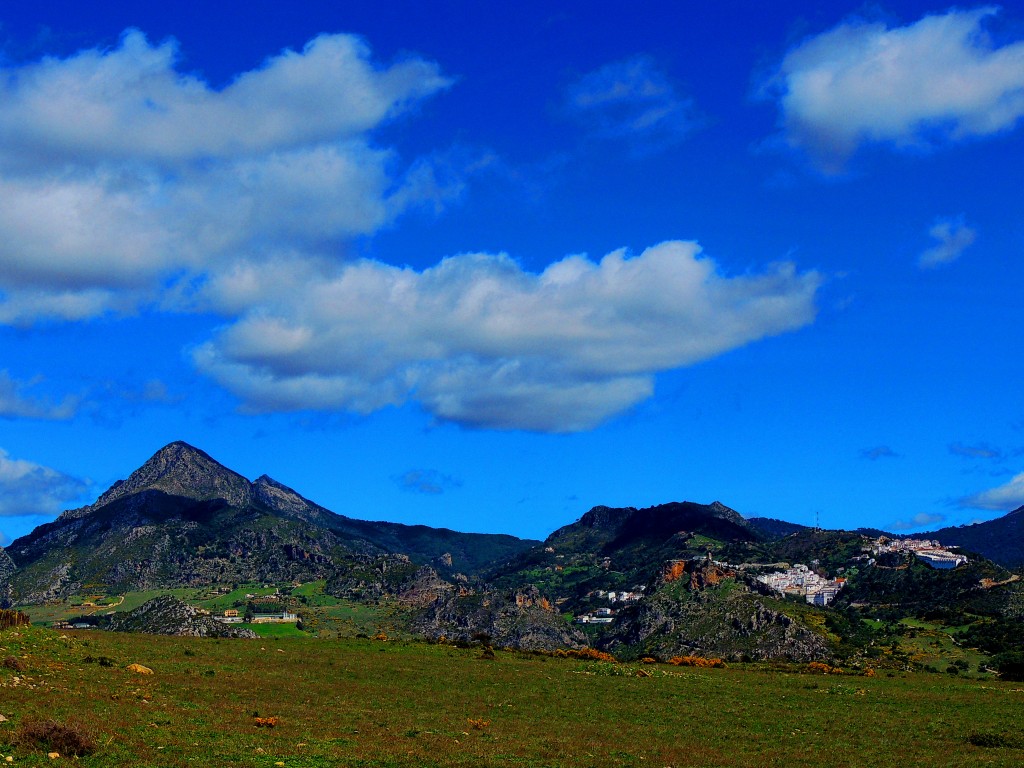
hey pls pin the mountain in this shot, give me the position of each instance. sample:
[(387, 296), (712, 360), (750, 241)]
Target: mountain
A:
[(620, 548), (184, 519), (1000, 540)]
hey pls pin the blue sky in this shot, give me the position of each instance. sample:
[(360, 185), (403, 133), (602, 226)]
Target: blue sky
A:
[(485, 268)]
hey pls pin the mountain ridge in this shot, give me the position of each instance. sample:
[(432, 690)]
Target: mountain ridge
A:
[(182, 518)]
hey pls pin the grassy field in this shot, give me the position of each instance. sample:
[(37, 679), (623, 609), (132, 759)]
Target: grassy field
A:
[(359, 702)]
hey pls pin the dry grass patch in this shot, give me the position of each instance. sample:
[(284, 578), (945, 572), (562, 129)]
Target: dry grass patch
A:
[(69, 739)]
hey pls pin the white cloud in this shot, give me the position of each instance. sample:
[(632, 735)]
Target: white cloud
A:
[(938, 79), (131, 103), (953, 238), (478, 341), (127, 182), (632, 99), (31, 489), (1003, 498), (16, 404)]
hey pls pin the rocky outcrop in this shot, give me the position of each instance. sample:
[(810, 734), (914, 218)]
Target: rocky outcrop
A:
[(522, 619), (702, 610), (167, 615)]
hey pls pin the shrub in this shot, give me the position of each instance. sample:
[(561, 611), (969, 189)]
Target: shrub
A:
[(994, 740), (1010, 665), (584, 654), (696, 661), (70, 738)]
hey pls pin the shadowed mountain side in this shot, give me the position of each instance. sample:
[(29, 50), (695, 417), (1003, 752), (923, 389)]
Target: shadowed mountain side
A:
[(771, 528)]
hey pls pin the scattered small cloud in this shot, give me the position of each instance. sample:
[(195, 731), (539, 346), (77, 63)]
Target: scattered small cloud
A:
[(428, 481), (935, 81), (31, 489), (632, 99), (953, 238), (979, 451), (878, 452), (154, 391), (17, 403), (920, 520), (1003, 498)]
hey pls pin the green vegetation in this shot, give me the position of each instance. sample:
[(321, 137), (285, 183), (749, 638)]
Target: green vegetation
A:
[(359, 702)]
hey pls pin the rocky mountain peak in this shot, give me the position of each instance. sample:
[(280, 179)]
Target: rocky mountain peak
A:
[(182, 470), (726, 513)]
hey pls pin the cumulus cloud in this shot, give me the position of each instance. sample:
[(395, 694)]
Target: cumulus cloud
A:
[(920, 520), (632, 99), (31, 489), (878, 452), (479, 341), (953, 238), (16, 403), (1002, 498), (123, 177), (428, 481), (937, 80)]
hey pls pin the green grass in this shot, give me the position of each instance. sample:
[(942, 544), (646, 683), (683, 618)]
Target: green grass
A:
[(276, 630), (364, 703)]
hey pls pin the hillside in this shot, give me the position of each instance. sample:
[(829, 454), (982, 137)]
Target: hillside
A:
[(612, 548), (1000, 540), (166, 615)]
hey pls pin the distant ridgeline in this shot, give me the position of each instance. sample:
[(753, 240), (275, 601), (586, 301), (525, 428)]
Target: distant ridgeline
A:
[(676, 579)]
